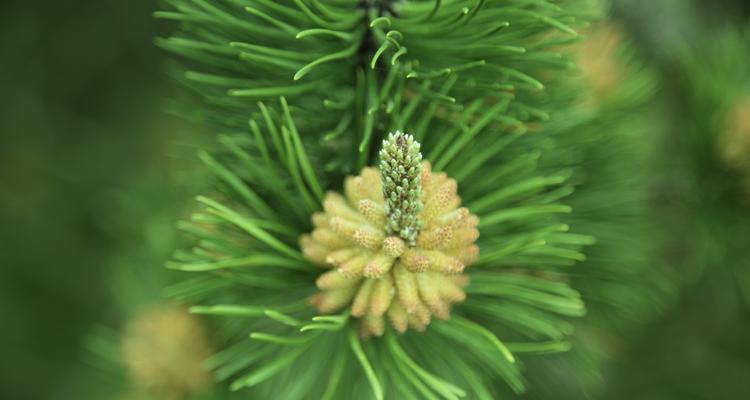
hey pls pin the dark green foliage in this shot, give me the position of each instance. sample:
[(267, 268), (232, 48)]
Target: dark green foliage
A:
[(625, 281), (701, 348), (82, 93), (484, 88)]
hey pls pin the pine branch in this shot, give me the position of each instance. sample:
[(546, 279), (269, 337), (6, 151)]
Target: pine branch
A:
[(468, 82)]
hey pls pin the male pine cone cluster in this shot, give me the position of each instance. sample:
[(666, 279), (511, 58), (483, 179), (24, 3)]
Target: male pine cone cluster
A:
[(376, 270)]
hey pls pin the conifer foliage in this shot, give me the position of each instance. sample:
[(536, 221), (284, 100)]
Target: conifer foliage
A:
[(302, 93)]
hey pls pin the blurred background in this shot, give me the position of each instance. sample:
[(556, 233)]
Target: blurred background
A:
[(93, 174)]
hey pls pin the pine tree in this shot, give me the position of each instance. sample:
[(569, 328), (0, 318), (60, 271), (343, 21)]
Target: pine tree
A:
[(466, 255)]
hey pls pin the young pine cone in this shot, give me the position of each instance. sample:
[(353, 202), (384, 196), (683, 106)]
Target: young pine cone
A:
[(381, 275)]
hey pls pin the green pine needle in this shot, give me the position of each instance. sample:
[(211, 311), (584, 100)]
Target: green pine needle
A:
[(303, 93)]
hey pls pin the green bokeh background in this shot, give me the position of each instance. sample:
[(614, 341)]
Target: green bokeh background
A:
[(83, 124), (91, 176)]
